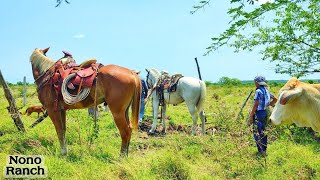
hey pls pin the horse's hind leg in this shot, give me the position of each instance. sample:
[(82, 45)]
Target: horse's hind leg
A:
[(59, 120), (193, 111), (125, 132), (203, 121)]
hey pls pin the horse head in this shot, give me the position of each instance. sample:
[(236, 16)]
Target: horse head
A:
[(40, 62), (153, 76)]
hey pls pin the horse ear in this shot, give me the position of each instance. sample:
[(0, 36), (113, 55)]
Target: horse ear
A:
[(147, 70), (289, 94), (45, 50)]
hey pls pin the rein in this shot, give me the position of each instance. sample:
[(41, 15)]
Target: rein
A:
[(47, 72)]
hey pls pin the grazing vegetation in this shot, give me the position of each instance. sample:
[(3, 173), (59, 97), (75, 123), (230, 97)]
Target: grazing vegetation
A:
[(227, 151)]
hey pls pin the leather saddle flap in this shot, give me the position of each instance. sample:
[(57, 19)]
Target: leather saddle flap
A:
[(86, 82), (85, 72), (172, 87)]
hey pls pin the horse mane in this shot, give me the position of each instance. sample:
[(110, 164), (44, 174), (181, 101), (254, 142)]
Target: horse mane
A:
[(155, 72), (40, 62)]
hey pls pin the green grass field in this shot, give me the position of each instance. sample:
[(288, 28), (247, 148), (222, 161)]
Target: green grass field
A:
[(227, 151)]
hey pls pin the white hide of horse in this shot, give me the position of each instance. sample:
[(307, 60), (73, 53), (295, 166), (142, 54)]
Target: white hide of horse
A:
[(298, 103), (189, 89)]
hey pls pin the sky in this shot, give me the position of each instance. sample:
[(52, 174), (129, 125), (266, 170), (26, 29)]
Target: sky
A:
[(134, 34)]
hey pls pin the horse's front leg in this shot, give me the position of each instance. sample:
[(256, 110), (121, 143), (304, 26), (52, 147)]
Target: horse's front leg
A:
[(59, 120), (163, 116), (155, 108)]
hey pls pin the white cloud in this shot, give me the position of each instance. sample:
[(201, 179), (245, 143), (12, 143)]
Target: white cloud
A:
[(265, 1), (79, 36)]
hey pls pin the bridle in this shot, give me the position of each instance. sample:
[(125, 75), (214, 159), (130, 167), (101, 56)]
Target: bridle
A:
[(147, 80), (149, 85)]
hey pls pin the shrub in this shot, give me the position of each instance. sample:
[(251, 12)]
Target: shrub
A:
[(208, 83), (310, 81), (19, 83), (170, 167), (229, 81)]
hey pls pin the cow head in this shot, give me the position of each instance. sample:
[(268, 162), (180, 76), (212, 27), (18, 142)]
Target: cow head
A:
[(286, 109)]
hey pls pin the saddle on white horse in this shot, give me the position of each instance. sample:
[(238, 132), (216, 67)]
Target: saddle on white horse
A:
[(168, 83)]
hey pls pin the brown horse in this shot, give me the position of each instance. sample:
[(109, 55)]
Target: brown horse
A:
[(117, 86), (32, 109)]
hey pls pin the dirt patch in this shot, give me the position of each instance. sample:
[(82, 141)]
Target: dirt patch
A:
[(215, 96), (145, 126), (33, 143)]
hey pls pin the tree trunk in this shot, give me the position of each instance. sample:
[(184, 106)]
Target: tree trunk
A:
[(13, 110)]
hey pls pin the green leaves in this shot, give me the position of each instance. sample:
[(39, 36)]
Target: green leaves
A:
[(287, 31)]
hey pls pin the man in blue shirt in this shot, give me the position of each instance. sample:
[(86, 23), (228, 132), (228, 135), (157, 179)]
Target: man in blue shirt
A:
[(258, 114), (144, 95)]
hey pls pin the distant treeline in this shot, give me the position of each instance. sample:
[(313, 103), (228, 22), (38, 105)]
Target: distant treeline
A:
[(223, 81), (18, 83), (235, 82)]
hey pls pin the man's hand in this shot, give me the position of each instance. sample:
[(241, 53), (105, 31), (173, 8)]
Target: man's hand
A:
[(250, 121)]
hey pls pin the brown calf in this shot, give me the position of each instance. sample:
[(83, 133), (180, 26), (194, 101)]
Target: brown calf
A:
[(31, 109)]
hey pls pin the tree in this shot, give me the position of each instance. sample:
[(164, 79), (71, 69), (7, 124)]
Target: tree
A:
[(287, 31), (60, 1), (229, 81)]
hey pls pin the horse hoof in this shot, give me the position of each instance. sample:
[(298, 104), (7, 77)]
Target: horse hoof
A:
[(151, 133), (64, 152), (123, 155)]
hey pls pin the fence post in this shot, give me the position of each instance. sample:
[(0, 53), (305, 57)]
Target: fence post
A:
[(12, 108), (24, 91), (199, 73)]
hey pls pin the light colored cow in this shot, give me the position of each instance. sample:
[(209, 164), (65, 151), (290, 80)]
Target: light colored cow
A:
[(298, 103)]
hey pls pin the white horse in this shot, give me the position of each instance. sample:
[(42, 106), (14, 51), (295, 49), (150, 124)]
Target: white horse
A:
[(189, 89)]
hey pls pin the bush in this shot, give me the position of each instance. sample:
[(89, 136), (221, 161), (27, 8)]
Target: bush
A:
[(170, 167), (229, 81), (208, 83), (19, 83), (310, 81)]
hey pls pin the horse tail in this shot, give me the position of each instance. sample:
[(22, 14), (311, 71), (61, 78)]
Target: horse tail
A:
[(135, 106), (203, 92)]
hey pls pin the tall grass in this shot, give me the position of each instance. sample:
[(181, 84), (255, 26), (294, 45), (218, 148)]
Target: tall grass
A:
[(227, 151)]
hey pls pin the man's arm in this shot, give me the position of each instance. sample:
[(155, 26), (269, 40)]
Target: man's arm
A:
[(145, 88), (274, 100), (253, 110)]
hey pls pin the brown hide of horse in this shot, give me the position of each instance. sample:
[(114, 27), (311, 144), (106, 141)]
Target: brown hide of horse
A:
[(117, 86)]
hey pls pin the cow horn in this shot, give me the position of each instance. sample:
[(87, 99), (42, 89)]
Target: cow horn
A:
[(289, 94)]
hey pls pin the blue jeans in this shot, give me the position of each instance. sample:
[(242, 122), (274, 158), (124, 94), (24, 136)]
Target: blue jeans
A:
[(141, 108), (259, 127)]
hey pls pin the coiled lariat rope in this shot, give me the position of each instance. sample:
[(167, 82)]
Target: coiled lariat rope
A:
[(69, 98)]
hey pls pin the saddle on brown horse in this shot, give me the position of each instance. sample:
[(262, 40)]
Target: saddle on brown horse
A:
[(83, 75)]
